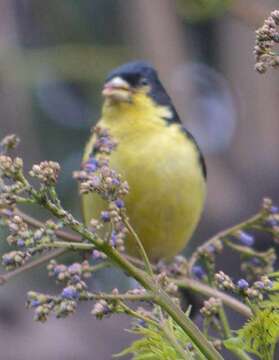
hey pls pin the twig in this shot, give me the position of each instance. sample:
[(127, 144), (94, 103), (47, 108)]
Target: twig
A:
[(32, 264), (38, 224), (127, 310), (164, 326), (123, 297), (140, 247), (223, 234), (227, 332), (245, 250), (65, 246), (208, 291)]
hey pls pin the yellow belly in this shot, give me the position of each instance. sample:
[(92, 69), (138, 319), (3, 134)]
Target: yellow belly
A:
[(167, 190)]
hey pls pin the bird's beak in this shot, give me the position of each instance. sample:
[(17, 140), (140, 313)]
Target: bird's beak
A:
[(117, 89)]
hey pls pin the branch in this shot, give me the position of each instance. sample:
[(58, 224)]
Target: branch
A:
[(38, 224), (222, 235), (32, 264), (140, 247), (206, 290), (122, 297), (188, 283)]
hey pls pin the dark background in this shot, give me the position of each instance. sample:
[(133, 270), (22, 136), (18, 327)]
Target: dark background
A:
[(54, 56)]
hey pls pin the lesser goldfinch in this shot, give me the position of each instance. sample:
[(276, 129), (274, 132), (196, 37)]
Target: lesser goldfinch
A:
[(158, 157)]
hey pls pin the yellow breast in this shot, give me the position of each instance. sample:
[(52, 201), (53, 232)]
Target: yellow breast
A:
[(167, 188)]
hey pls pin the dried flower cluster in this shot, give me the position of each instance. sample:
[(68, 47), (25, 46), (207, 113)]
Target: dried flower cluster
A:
[(46, 172), (266, 38), (255, 291)]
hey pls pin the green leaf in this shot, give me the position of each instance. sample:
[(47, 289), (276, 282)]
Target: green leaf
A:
[(260, 334), (153, 345)]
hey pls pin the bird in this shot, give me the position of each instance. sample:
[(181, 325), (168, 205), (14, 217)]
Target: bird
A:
[(158, 157)]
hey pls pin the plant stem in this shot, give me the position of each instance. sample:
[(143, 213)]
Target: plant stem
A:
[(223, 234), (65, 245), (32, 264), (206, 348), (141, 249), (137, 315), (38, 224), (208, 291), (245, 250), (227, 332), (122, 297), (173, 341), (102, 265)]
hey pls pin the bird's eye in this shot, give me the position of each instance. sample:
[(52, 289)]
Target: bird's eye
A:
[(143, 81)]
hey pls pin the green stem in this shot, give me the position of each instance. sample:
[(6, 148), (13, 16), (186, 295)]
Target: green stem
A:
[(222, 235), (208, 291), (161, 325), (100, 266), (32, 264), (184, 353), (225, 323), (228, 334), (196, 336), (137, 315), (64, 245), (245, 250), (141, 249), (122, 297)]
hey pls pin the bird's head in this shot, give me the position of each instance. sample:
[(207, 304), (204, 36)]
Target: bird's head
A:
[(137, 84)]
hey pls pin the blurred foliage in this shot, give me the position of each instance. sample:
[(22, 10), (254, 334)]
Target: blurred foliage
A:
[(198, 10)]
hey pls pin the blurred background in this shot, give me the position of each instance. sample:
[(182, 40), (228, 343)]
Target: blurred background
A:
[(54, 56)]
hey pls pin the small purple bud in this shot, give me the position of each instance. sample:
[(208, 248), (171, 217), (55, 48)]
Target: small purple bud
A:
[(76, 279), (113, 238), (115, 182), (74, 268), (274, 209), (91, 165), (211, 248), (7, 212), (105, 216), (272, 222), (246, 239), (96, 254), (259, 284), (198, 271), (255, 261), (20, 243), (7, 260), (119, 203), (142, 323), (58, 269), (35, 303), (242, 284), (70, 293)]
